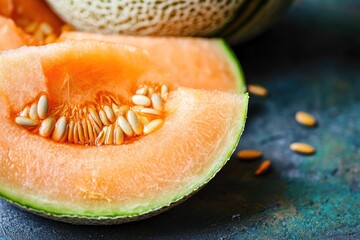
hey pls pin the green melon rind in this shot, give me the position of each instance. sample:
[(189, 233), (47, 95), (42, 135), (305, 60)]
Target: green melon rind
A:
[(117, 218), (234, 65)]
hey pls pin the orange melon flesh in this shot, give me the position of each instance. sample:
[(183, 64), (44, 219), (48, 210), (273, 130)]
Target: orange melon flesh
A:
[(6, 7), (215, 65), (120, 183), (13, 37)]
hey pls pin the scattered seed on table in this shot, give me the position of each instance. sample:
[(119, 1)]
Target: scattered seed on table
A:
[(305, 119), (302, 148), (257, 89), (263, 168), (249, 154)]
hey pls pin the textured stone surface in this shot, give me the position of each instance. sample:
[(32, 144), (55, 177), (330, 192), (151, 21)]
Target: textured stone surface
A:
[(307, 64)]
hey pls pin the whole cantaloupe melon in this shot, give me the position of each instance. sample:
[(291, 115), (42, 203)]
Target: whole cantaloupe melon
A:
[(237, 20)]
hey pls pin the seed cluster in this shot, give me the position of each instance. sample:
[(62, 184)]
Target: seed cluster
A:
[(107, 122), (42, 31)]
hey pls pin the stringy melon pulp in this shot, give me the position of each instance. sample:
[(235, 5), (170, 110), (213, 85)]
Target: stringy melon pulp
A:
[(200, 132)]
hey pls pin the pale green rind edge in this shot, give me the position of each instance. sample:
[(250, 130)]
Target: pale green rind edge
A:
[(234, 64)]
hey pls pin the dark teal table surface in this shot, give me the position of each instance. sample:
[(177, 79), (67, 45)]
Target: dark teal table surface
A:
[(309, 61)]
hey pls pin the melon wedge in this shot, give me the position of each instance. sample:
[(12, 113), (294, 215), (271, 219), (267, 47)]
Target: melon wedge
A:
[(209, 58), (115, 183)]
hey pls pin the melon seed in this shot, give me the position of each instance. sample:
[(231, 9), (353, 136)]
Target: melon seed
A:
[(125, 126), (150, 111), (305, 119), (26, 122), (302, 148), (85, 130), (80, 133), (47, 126), (249, 154), (263, 168), (45, 28), (118, 135), (141, 100), (258, 90), (65, 137), (95, 117), (164, 91), (109, 113), (71, 132), (150, 92), (152, 126), (97, 129), (114, 107), (33, 111), (109, 135), (25, 112), (122, 110), (157, 102), (42, 107), (59, 130), (141, 91), (134, 122), (76, 133), (103, 117), (101, 137), (90, 132)]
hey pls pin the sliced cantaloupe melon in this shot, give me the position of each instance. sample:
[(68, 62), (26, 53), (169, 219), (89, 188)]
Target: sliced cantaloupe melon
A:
[(102, 182)]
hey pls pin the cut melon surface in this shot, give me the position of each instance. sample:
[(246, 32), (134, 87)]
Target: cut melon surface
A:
[(215, 64), (115, 183)]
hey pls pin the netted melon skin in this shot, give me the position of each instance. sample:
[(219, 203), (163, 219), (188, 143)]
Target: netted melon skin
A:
[(147, 17), (236, 20)]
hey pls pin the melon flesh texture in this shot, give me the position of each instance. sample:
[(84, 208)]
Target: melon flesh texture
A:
[(86, 184), (213, 64)]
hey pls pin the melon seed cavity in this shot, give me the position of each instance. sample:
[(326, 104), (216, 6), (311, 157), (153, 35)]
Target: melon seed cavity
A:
[(41, 31), (104, 122)]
